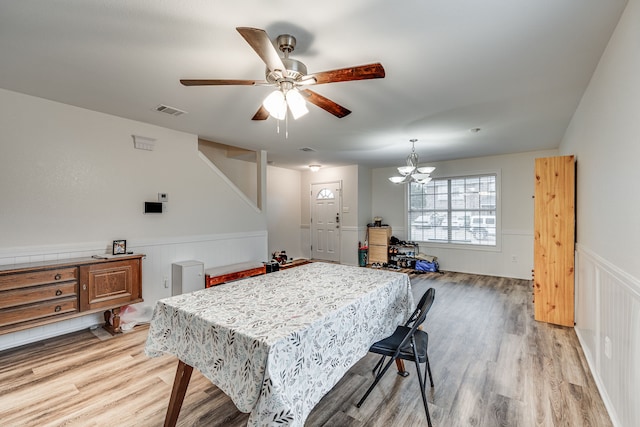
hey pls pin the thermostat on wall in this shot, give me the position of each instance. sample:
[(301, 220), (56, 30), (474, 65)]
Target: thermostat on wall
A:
[(152, 207)]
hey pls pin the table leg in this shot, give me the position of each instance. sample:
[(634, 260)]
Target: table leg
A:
[(180, 383), (400, 366)]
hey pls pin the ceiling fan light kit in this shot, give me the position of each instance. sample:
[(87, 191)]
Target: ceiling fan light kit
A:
[(290, 78), (287, 97), (276, 104), (411, 172)]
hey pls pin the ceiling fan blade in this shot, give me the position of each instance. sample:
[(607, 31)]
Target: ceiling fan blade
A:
[(325, 103), (261, 114), (218, 82), (259, 41), (362, 72)]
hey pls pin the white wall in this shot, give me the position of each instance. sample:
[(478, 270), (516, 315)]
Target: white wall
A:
[(516, 214), (283, 196), (242, 173), (604, 136), (283, 211), (365, 193), (72, 175), (71, 183)]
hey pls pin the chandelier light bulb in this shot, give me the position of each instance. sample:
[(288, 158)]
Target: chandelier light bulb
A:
[(276, 105), (426, 170), (296, 103), (420, 176), (406, 170)]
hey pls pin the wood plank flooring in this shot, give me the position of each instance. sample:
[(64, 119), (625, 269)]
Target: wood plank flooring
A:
[(493, 365)]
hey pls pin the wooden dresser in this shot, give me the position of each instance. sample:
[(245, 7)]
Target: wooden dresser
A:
[(379, 244), (35, 294)]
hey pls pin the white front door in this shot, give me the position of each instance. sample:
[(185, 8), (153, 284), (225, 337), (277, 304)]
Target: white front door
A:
[(325, 221)]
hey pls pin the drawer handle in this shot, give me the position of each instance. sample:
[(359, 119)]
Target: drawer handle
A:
[(58, 292), (58, 308), (58, 276)]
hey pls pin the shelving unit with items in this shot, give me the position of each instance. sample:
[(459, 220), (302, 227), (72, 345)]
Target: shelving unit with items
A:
[(403, 255)]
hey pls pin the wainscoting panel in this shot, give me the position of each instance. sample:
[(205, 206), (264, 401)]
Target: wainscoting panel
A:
[(213, 250), (608, 326), (350, 236)]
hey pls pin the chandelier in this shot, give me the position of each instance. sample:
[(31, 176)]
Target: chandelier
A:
[(411, 172)]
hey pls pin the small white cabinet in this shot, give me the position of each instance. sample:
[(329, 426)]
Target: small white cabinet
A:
[(187, 276)]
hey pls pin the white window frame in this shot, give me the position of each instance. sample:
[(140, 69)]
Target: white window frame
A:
[(464, 246)]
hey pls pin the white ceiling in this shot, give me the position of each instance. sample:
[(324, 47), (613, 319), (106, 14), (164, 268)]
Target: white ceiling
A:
[(514, 68)]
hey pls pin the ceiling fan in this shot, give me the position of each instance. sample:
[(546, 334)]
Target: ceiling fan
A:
[(290, 78)]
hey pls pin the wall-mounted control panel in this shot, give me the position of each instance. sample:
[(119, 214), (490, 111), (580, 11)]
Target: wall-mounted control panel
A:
[(153, 207)]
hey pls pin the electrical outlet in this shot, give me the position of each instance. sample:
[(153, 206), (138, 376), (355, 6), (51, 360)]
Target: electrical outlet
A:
[(166, 282), (514, 258), (163, 197)]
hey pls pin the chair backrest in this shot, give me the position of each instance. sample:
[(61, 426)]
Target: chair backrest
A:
[(416, 319), (423, 307)]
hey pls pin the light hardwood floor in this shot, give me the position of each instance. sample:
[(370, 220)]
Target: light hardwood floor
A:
[(493, 365)]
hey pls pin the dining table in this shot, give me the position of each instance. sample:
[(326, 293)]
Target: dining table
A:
[(277, 343)]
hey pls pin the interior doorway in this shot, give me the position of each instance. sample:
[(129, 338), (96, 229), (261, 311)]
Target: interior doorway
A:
[(326, 199)]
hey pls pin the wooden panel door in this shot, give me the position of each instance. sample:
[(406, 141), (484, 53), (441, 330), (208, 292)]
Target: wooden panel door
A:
[(554, 235), (110, 284), (325, 221)]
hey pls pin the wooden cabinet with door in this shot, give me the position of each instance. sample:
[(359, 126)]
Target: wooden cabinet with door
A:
[(379, 244), (554, 236), (110, 285), (39, 293)]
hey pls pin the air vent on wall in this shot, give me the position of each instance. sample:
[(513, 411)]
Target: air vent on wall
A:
[(308, 150), (169, 110)]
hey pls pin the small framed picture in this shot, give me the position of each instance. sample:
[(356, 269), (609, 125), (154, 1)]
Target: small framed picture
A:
[(119, 247)]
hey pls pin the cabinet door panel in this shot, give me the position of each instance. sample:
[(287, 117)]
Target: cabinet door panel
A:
[(109, 284), (378, 254), (379, 236)]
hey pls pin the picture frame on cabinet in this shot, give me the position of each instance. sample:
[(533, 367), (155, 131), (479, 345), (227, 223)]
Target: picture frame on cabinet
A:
[(119, 247)]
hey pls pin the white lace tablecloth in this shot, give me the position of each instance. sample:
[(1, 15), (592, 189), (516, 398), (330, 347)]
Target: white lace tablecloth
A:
[(277, 343)]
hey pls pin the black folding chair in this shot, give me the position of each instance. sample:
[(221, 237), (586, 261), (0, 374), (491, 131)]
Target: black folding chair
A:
[(406, 343)]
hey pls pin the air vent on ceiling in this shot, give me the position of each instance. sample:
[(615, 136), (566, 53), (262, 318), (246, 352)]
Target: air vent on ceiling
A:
[(308, 150), (169, 110)]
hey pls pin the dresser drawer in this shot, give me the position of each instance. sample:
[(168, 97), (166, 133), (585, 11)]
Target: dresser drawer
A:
[(25, 313), (378, 254), (33, 278), (379, 235), (37, 294)]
